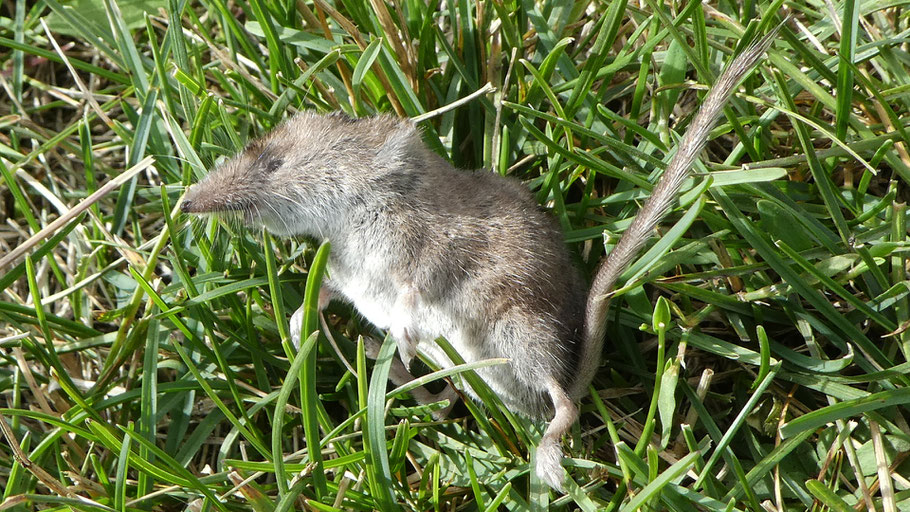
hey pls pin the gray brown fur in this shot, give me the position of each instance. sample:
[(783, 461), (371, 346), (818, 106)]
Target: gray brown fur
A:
[(479, 249), (424, 250)]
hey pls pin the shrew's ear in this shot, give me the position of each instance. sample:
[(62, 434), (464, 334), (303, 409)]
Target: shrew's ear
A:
[(342, 116), (402, 140)]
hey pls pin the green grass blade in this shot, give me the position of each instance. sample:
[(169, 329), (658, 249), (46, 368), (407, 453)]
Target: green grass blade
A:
[(847, 53), (381, 483), (846, 409), (278, 418)]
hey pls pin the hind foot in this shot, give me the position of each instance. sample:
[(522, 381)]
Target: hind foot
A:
[(549, 454)]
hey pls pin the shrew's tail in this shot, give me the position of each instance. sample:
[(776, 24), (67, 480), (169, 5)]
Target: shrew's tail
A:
[(657, 206)]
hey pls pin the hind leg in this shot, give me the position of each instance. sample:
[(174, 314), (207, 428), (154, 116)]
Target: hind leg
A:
[(549, 454), (402, 327), (399, 375)]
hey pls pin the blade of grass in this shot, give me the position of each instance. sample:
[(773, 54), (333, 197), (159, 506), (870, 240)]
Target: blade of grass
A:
[(381, 483)]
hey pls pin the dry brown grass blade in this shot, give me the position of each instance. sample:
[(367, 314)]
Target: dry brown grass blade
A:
[(351, 29), (486, 89), (884, 472), (33, 386), (43, 476), (74, 212), (82, 87), (391, 33)]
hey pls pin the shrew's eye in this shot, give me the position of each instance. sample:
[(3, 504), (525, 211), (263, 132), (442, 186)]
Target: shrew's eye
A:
[(272, 165)]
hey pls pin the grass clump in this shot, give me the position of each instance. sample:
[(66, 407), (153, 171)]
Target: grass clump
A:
[(757, 353)]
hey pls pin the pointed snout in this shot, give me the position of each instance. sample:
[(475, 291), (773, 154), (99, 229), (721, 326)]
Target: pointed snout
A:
[(194, 202)]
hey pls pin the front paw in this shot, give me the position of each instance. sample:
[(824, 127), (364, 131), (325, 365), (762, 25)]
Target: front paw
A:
[(407, 345), (296, 327), (326, 295)]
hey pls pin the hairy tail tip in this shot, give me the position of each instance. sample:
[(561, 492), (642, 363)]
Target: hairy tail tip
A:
[(548, 466)]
